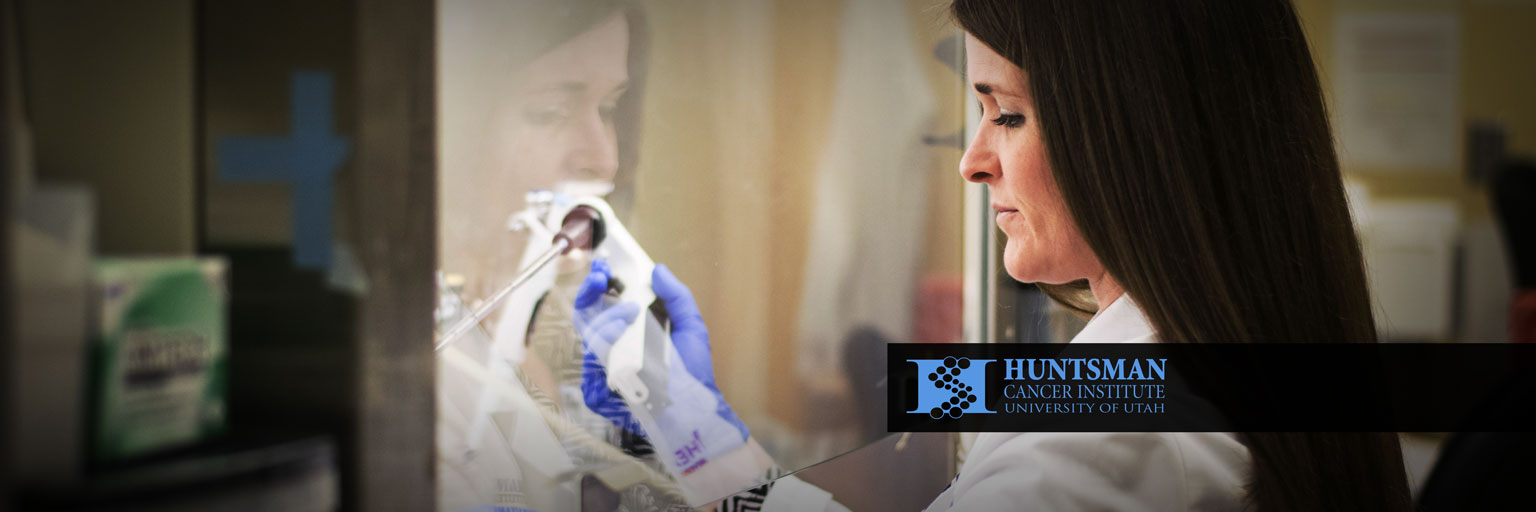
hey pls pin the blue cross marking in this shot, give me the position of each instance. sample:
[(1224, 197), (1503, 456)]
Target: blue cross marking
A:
[(307, 159)]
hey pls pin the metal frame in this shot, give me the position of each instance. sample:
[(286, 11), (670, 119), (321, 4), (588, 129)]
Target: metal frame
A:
[(397, 151), (980, 240)]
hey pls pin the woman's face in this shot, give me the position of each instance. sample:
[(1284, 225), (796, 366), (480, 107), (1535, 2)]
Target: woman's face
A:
[(1008, 156), (553, 123), (558, 123)]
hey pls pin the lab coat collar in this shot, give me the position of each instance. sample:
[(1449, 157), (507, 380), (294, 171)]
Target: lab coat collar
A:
[(1121, 322)]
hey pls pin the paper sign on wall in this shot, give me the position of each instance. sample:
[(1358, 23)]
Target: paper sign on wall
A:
[(1396, 93)]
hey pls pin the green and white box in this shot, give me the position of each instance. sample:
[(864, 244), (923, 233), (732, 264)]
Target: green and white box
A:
[(159, 365)]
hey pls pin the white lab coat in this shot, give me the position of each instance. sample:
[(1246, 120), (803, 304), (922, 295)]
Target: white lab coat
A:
[(1102, 471), (1130, 471)]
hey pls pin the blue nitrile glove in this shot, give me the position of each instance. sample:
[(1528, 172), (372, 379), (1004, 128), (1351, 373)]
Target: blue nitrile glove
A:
[(699, 423), (594, 322), (691, 338)]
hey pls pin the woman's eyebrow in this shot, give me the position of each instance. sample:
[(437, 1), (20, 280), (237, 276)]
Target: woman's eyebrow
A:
[(986, 89)]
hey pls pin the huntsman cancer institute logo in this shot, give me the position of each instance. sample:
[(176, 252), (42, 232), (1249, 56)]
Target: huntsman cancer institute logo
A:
[(956, 387)]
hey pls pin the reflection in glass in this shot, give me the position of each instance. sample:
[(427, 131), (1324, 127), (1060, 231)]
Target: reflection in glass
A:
[(797, 177), (533, 94)]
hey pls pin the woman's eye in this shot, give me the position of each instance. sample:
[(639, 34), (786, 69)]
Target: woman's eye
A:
[(607, 111), (544, 116), (1009, 120)]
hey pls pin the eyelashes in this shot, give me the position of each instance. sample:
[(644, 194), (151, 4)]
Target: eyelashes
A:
[(553, 115), (1009, 120), (1005, 118), (545, 115)]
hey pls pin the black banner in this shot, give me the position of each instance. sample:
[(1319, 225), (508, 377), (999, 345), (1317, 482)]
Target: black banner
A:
[(1170, 387)]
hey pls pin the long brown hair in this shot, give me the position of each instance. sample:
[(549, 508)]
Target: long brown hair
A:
[(1190, 142)]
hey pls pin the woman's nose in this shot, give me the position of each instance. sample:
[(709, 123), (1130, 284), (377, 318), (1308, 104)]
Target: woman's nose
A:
[(593, 153), (979, 164)]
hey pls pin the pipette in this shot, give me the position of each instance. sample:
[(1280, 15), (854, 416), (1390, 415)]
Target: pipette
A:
[(581, 228), (637, 363)]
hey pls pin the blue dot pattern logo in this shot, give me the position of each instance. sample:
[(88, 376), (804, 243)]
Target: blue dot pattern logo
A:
[(951, 387)]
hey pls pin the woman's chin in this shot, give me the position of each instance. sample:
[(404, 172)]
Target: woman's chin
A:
[(1017, 264)]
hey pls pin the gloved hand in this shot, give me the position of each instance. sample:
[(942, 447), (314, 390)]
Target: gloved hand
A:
[(699, 423)]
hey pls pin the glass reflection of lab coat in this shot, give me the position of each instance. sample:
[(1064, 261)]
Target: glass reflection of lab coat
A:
[(477, 455), (504, 441)]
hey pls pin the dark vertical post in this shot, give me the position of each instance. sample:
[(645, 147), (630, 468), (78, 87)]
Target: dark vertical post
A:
[(393, 202), (10, 118)]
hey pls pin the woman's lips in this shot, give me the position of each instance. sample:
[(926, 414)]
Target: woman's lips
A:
[(1005, 213)]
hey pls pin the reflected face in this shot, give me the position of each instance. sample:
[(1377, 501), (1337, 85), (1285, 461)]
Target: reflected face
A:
[(559, 125), (553, 122), (1008, 155)]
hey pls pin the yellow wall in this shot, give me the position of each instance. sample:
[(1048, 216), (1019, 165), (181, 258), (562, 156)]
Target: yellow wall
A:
[(731, 148), (803, 72), (1498, 83)]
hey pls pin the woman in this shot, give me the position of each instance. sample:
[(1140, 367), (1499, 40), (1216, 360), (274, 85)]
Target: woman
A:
[(534, 94), (1177, 158), (1168, 167)]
